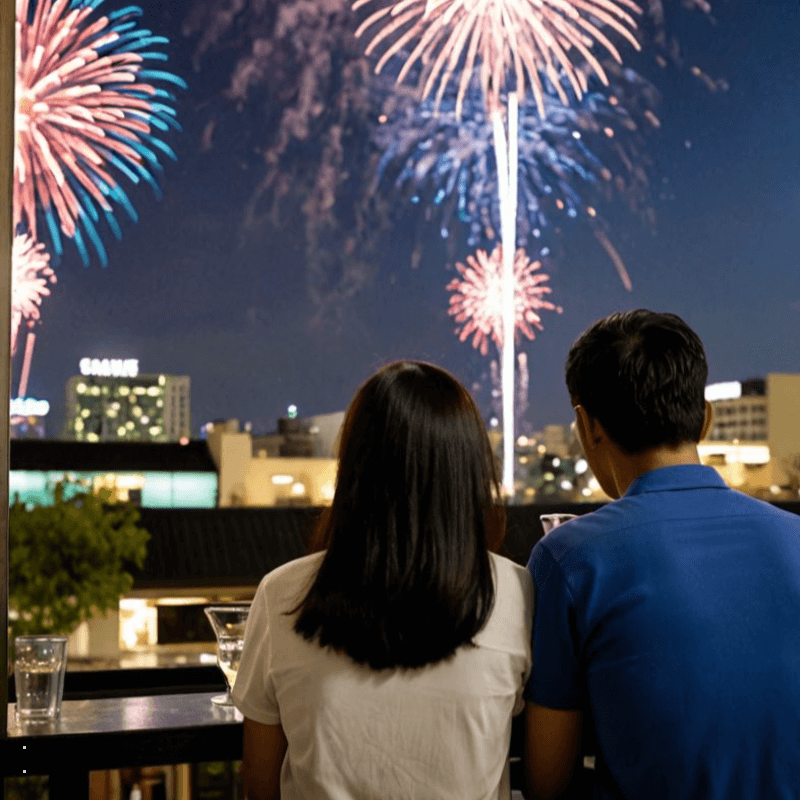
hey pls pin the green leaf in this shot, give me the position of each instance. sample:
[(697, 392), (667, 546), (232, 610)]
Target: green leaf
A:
[(79, 548)]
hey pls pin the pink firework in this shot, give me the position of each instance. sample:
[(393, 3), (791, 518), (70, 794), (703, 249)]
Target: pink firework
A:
[(533, 39), (86, 112), (477, 303), (30, 279)]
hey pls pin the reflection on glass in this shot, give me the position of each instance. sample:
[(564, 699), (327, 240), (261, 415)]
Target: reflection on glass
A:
[(550, 521), (228, 622)]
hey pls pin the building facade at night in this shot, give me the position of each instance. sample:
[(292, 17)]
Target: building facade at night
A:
[(147, 474), (754, 441), (132, 407)]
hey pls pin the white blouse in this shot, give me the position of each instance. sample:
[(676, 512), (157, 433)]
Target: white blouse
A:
[(442, 731)]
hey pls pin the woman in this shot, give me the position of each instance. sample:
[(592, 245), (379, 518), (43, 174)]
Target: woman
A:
[(389, 665)]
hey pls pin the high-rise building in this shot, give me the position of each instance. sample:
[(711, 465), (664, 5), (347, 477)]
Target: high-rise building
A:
[(109, 403)]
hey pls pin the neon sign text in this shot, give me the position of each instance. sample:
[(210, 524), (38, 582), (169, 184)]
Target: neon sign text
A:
[(110, 367)]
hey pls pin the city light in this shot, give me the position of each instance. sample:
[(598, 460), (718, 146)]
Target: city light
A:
[(727, 390), (110, 367), (28, 407)]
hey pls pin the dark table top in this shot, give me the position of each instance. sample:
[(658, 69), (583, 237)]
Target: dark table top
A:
[(123, 732)]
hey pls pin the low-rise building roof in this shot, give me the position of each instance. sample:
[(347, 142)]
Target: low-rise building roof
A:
[(49, 455)]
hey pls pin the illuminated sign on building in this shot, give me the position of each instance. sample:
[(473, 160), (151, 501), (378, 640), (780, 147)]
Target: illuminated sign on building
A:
[(728, 390), (28, 407), (110, 367)]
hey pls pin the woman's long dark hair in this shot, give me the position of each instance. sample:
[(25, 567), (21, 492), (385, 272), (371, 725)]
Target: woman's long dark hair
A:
[(407, 577)]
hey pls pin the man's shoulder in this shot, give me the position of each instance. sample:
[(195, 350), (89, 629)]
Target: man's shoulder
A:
[(633, 512)]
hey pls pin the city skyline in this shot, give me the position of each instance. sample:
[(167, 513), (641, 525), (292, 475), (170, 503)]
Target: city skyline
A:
[(198, 287)]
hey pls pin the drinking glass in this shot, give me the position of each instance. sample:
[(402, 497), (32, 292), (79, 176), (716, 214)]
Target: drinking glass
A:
[(228, 622), (40, 663), (550, 521)]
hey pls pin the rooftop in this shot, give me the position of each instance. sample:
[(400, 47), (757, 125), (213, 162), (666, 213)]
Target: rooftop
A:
[(61, 455)]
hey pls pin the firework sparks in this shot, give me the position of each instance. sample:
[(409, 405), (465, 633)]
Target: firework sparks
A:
[(476, 302), (86, 111), (570, 161), (30, 279), (532, 39)]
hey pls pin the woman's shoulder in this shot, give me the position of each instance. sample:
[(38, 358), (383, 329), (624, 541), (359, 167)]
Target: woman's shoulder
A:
[(510, 575), (290, 577), (509, 625)]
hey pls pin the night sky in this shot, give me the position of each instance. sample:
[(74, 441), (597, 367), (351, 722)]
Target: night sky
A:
[(192, 288)]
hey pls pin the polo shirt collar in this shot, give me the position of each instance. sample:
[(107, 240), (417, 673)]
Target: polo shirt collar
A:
[(670, 479)]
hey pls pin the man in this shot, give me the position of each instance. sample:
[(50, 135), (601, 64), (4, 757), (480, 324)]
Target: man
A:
[(667, 622)]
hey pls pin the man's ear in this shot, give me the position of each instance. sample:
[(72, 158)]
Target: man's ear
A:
[(588, 428), (709, 418)]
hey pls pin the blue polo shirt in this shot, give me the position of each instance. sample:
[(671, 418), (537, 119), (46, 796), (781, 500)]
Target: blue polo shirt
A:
[(671, 617)]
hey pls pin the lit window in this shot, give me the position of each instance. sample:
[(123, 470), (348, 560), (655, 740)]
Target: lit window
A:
[(155, 430), (122, 430), (80, 388), (95, 391), (154, 391), (79, 425), (111, 413), (136, 411), (129, 425), (92, 437), (139, 390), (282, 480), (144, 420), (124, 390), (161, 380), (85, 413)]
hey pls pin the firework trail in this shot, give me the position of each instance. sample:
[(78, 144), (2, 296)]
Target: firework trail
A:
[(522, 383), (476, 302), (87, 112), (530, 39), (571, 160), (30, 279)]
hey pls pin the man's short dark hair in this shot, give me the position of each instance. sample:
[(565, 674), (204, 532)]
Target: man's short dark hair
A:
[(642, 375)]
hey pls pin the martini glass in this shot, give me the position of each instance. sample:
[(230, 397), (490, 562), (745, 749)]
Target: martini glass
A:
[(550, 521), (228, 622)]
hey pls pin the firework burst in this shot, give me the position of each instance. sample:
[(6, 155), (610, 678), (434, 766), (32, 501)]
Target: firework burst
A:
[(87, 112), (574, 159), (30, 279), (530, 39), (476, 302)]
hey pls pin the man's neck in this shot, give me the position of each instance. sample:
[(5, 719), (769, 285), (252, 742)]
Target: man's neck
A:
[(626, 468)]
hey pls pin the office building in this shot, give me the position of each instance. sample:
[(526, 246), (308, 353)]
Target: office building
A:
[(754, 441), (111, 402)]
